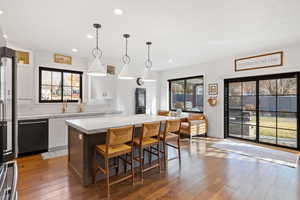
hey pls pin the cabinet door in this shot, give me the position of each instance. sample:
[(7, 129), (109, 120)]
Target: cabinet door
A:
[(58, 136), (102, 88), (25, 82)]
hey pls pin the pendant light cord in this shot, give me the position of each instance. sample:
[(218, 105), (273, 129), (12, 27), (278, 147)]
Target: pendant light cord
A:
[(126, 47), (148, 62), (126, 59), (148, 52), (97, 38)]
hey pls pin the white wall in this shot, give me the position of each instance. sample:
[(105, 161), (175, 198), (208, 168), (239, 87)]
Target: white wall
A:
[(216, 72), (126, 96), (2, 39)]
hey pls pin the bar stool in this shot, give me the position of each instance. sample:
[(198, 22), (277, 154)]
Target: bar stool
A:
[(147, 138), (172, 131), (117, 144)]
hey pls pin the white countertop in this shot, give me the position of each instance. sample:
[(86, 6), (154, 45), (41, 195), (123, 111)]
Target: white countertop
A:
[(98, 125), (64, 115)]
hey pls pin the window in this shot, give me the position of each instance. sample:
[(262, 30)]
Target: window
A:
[(186, 94), (56, 85)]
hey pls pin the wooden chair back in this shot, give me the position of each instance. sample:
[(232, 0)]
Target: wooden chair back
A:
[(150, 129), (196, 117), (172, 126), (118, 136), (163, 113)]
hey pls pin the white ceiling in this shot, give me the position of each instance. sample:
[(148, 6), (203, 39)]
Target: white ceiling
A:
[(188, 32)]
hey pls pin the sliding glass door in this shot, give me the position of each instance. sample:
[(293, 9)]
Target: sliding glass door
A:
[(278, 111), (242, 109), (263, 109)]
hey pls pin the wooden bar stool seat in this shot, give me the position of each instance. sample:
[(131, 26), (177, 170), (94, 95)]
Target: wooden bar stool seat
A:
[(145, 141), (147, 138), (169, 135), (119, 141), (115, 150)]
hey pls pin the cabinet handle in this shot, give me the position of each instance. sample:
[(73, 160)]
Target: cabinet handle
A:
[(36, 122)]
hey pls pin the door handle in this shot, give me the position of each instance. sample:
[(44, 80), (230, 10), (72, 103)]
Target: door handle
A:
[(35, 122)]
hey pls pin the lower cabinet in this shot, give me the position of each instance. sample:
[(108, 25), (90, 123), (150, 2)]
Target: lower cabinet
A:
[(43, 134), (32, 136), (58, 134)]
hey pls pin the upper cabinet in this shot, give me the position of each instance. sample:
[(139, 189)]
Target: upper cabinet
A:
[(25, 76), (25, 83), (101, 88)]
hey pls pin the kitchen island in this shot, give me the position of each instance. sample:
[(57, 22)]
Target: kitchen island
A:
[(85, 134)]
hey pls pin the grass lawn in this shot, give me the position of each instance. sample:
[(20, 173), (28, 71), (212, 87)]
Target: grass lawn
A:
[(287, 123)]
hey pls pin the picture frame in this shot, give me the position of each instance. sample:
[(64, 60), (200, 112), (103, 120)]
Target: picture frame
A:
[(260, 61), (213, 89), (62, 59), (23, 57), (111, 70)]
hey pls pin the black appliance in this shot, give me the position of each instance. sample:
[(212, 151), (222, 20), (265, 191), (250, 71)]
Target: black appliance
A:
[(8, 166), (140, 100), (32, 136)]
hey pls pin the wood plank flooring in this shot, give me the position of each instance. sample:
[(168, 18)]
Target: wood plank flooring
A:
[(205, 174)]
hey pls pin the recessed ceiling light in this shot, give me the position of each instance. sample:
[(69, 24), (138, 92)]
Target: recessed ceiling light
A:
[(89, 36), (118, 11), (75, 50), (1, 12), (5, 36), (170, 60)]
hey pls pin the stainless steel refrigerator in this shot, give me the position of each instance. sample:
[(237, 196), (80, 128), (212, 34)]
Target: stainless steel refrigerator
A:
[(8, 125)]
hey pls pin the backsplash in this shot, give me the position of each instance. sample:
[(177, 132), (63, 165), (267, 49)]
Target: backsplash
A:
[(37, 109)]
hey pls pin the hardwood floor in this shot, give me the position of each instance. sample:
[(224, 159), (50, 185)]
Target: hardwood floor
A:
[(205, 174)]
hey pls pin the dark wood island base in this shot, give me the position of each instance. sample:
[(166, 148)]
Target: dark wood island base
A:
[(81, 148)]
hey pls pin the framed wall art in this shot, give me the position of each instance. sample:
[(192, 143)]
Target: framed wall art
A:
[(111, 69), (213, 89), (62, 59), (260, 61)]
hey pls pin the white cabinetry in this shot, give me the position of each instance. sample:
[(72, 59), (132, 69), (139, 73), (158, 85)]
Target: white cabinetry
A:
[(58, 133), (101, 88), (25, 82)]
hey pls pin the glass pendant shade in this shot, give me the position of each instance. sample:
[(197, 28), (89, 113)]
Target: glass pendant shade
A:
[(124, 74), (97, 68)]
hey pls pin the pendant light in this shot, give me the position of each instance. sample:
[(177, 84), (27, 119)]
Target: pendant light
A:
[(97, 68), (148, 64), (124, 74)]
